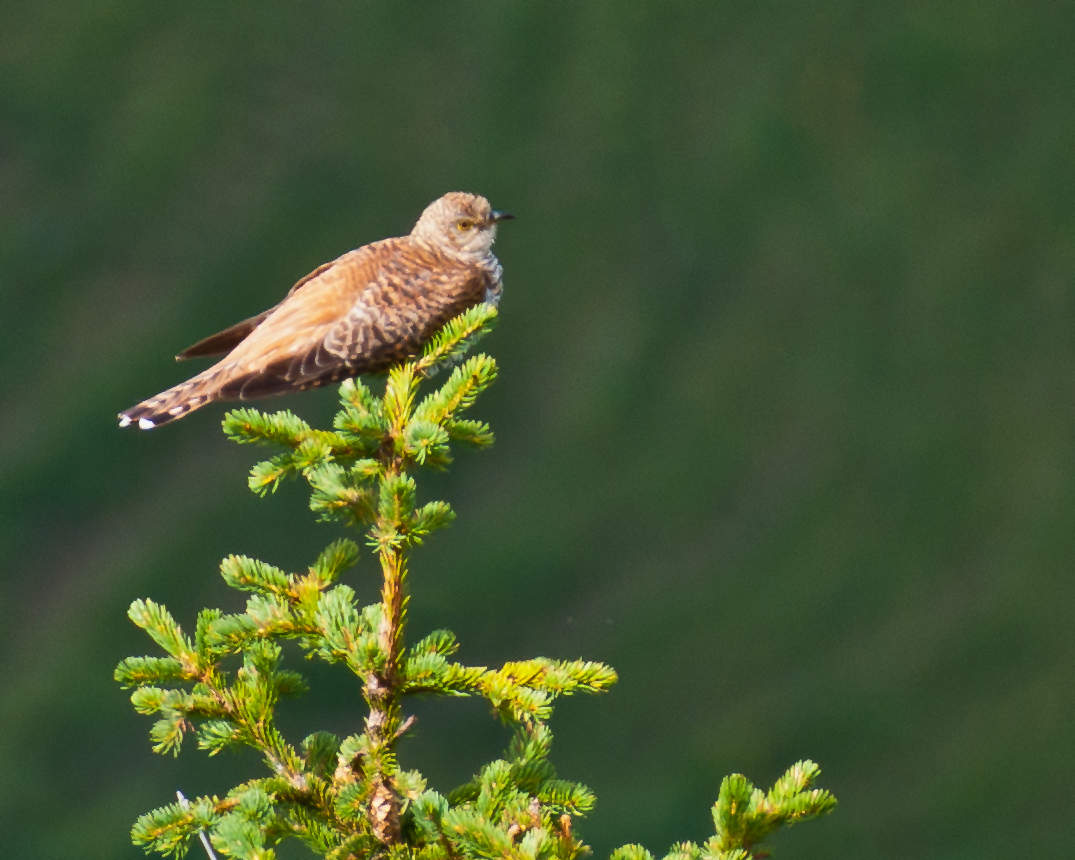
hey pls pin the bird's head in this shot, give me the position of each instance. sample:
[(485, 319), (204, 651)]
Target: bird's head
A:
[(459, 223)]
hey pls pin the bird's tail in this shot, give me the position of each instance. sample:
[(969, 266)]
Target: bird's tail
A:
[(173, 403)]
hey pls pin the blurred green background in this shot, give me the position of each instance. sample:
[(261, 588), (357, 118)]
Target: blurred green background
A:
[(784, 423)]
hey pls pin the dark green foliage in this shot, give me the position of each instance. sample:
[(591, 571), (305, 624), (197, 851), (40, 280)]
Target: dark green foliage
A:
[(348, 797)]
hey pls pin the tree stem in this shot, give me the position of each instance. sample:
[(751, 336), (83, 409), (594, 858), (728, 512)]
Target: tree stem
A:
[(382, 689), (393, 594), (382, 693)]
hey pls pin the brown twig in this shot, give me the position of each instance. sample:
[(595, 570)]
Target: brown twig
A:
[(382, 689)]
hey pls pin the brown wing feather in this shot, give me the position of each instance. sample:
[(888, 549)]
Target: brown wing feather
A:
[(225, 341), (396, 304)]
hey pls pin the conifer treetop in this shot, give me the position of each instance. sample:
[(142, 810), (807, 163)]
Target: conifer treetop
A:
[(349, 797)]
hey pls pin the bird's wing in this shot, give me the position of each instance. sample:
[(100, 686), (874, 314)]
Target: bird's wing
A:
[(225, 341), (374, 306)]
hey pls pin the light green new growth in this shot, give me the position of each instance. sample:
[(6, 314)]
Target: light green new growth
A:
[(348, 797)]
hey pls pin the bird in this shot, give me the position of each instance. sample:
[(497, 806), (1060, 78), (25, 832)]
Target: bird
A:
[(358, 314)]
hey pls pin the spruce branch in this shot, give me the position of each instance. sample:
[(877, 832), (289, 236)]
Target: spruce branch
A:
[(185, 804), (349, 798)]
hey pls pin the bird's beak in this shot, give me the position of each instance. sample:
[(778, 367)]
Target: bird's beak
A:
[(495, 216)]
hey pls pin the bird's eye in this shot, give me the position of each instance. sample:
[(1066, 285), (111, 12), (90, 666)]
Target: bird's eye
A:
[(465, 224)]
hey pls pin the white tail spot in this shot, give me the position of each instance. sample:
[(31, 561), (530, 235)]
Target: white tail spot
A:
[(177, 410), (124, 420), (145, 424)]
